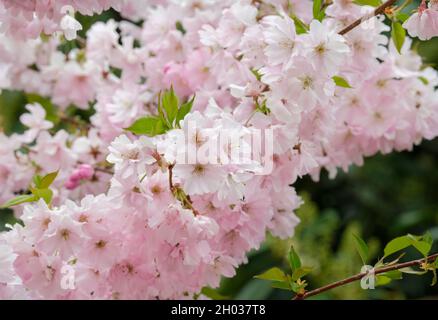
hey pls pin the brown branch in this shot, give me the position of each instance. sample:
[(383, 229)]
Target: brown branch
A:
[(359, 276), (379, 10), (104, 170), (179, 194), (171, 186), (74, 122)]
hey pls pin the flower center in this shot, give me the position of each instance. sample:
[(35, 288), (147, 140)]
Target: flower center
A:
[(320, 49), (199, 169), (307, 82), (100, 244), (65, 234)]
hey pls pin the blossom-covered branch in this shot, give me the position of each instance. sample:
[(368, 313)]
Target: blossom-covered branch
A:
[(242, 98), (379, 10)]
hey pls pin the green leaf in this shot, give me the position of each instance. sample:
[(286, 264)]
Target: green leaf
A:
[(409, 270), (427, 237), (382, 280), (341, 82), (317, 5), (46, 194), (402, 17), (300, 26), (37, 180), (295, 287), (424, 80), (361, 248), (179, 26), (434, 280), (184, 110), (150, 126), (160, 109), (19, 200), (170, 104), (213, 294), (422, 243), (318, 12), (47, 180), (398, 34), (283, 285), (294, 259), (301, 272), (273, 274), (256, 74), (393, 274), (423, 247), (396, 245), (372, 3)]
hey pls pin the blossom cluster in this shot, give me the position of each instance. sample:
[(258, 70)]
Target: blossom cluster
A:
[(127, 220), (28, 19)]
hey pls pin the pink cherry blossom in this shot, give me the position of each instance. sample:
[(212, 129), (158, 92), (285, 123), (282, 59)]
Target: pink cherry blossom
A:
[(424, 23), (35, 121), (163, 216)]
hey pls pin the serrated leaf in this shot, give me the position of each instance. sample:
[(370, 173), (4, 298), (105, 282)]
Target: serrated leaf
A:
[(19, 200), (184, 109), (341, 82), (361, 248), (398, 34), (150, 126), (301, 272), (273, 274), (294, 259), (47, 180)]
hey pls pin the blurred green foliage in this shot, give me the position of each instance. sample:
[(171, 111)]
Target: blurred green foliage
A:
[(389, 196)]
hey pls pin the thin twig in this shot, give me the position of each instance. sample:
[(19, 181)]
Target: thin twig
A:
[(104, 170), (171, 186), (179, 194), (359, 276), (379, 10)]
